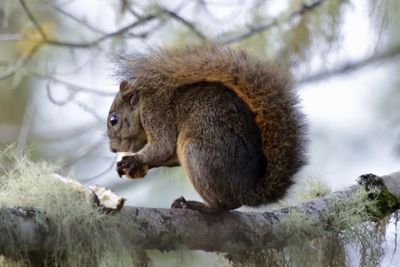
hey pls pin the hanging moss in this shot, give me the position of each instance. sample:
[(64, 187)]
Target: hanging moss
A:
[(351, 224), (83, 235)]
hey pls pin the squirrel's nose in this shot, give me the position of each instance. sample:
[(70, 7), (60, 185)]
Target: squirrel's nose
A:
[(113, 149)]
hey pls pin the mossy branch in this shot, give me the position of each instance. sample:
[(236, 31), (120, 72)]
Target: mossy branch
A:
[(233, 232)]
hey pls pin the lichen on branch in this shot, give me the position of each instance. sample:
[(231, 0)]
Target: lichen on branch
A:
[(42, 218)]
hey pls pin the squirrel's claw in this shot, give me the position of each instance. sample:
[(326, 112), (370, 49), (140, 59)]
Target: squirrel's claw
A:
[(124, 165), (132, 167), (120, 172), (180, 203)]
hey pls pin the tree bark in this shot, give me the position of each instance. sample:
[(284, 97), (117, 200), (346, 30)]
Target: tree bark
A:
[(168, 229)]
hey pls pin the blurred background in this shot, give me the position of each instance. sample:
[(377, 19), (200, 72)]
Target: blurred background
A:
[(56, 82)]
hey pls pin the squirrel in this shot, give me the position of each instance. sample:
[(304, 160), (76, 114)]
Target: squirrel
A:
[(231, 120)]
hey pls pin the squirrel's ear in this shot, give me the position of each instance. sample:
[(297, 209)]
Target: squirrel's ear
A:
[(126, 89), (124, 86)]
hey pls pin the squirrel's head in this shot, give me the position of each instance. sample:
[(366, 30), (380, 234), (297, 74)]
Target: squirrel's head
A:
[(125, 130)]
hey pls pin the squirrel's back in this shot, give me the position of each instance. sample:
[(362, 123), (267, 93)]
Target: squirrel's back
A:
[(265, 88)]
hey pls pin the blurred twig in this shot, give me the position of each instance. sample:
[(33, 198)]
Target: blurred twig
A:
[(104, 37), (80, 21), (203, 6), (275, 22), (33, 19), (59, 102), (129, 7), (84, 151), (89, 110), (74, 87), (95, 42), (188, 24), (20, 63), (388, 54), (71, 99), (94, 29), (77, 68)]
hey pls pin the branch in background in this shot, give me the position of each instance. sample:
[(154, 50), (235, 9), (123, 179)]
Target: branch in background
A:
[(20, 63), (388, 54), (76, 69), (89, 110), (33, 19), (123, 31), (235, 6), (73, 87), (71, 99), (94, 29), (144, 19), (126, 4), (97, 41), (233, 232), (80, 21), (63, 102), (275, 22), (188, 24), (83, 151)]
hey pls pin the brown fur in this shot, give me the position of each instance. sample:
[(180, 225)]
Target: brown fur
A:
[(170, 82)]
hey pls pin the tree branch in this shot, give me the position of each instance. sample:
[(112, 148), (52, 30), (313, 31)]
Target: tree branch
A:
[(233, 232)]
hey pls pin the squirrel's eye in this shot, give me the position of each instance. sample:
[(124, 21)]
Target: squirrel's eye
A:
[(113, 119)]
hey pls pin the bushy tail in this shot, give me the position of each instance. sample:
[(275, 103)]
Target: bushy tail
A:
[(264, 87)]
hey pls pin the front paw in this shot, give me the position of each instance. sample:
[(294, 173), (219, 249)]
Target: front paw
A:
[(132, 167)]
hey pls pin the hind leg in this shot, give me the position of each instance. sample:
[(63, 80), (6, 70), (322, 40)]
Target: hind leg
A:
[(212, 173)]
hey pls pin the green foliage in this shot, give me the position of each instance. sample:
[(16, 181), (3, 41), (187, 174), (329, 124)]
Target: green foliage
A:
[(298, 35), (314, 33)]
